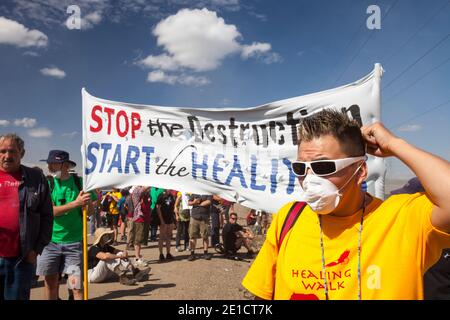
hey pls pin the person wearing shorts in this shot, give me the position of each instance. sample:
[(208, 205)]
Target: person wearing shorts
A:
[(199, 224), (64, 253), (141, 219)]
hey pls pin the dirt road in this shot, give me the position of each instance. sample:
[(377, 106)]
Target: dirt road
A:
[(216, 279)]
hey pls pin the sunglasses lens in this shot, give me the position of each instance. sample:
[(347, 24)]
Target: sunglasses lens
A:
[(299, 168), (323, 167)]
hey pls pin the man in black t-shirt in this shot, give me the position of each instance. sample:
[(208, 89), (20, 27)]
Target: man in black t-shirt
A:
[(199, 224), (165, 210), (235, 236)]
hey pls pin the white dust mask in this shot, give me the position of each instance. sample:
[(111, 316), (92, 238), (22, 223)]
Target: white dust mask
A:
[(56, 174), (321, 194)]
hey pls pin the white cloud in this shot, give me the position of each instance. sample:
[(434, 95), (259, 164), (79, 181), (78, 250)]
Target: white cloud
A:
[(90, 20), (261, 51), (40, 133), (53, 72), (254, 49), (4, 123), (16, 34), (31, 54), (190, 80), (271, 57), (163, 62), (70, 135), (25, 122), (197, 39), (410, 128), (161, 76)]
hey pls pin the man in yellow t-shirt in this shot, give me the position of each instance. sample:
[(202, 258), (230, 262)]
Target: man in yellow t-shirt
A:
[(113, 213), (346, 244)]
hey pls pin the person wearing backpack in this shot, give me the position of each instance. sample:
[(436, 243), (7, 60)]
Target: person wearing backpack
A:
[(347, 244), (64, 253)]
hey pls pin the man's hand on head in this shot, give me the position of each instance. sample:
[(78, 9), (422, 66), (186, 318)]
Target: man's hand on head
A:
[(379, 140)]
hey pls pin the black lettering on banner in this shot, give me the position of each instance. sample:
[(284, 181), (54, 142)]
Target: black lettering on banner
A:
[(170, 169), (262, 134), (161, 127)]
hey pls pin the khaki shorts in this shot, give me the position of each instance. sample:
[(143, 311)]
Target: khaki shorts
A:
[(139, 233), (199, 229)]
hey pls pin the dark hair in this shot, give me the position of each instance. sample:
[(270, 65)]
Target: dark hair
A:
[(338, 125)]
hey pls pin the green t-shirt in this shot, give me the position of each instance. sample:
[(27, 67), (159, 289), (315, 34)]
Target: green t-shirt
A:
[(68, 227), (154, 194)]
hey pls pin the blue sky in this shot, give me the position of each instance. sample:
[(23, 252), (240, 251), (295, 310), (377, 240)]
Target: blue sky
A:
[(219, 53)]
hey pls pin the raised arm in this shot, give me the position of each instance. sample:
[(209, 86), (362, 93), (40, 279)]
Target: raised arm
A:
[(432, 171)]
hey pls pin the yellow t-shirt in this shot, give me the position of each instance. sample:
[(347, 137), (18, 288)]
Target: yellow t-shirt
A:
[(398, 245), (113, 204)]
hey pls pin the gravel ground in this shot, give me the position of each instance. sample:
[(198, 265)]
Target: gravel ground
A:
[(180, 279)]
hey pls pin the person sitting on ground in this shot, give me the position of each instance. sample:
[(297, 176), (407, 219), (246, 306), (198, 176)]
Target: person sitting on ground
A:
[(235, 236), (105, 261), (251, 217)]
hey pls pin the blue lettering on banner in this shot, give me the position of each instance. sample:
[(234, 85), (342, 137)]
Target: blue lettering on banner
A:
[(253, 184), (216, 168), (196, 166), (122, 159), (148, 151), (273, 176), (236, 172), (91, 157), (117, 160), (106, 147), (132, 156), (132, 160), (291, 184)]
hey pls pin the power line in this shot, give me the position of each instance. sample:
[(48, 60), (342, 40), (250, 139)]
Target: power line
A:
[(417, 80), (364, 44), (421, 114), (439, 10), (358, 30), (417, 60)]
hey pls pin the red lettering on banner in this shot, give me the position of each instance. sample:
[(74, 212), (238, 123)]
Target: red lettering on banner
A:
[(120, 125), (110, 112), (96, 118), (122, 114), (135, 123)]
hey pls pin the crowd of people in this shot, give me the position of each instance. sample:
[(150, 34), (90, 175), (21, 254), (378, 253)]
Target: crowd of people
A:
[(41, 223), (132, 213), (41, 228)]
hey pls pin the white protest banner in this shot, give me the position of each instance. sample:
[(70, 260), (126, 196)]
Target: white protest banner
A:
[(241, 155)]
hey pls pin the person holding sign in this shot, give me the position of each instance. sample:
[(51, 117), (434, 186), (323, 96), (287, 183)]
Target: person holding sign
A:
[(64, 254), (342, 243)]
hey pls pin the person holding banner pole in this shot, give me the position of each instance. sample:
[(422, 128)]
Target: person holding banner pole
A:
[(339, 242), (64, 254)]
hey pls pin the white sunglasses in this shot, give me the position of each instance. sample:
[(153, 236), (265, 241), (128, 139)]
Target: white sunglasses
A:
[(323, 167)]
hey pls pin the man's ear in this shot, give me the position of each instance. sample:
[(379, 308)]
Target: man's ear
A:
[(22, 154), (362, 173)]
